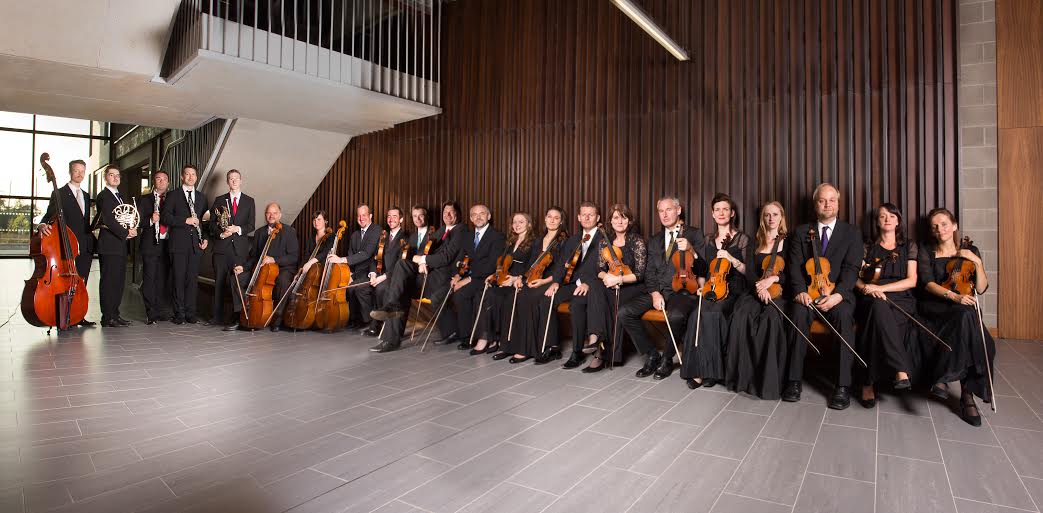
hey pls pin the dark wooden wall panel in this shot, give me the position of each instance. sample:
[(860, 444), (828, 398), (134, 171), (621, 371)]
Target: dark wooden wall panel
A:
[(549, 102)]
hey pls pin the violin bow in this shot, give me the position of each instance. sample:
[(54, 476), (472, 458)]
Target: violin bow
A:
[(670, 330), (791, 323), (434, 321), (985, 350), (918, 323), (546, 330), (514, 304), (416, 317), (837, 333), (470, 341)]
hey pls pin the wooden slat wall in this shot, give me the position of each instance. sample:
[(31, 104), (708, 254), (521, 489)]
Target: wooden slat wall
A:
[(1019, 82), (553, 102)]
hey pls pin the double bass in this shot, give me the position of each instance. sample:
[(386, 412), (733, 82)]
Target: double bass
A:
[(303, 293), (331, 309), (257, 312), (55, 296)]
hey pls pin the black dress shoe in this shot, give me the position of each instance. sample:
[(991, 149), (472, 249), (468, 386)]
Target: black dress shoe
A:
[(515, 359), (231, 327), (548, 356), (448, 339), (501, 356), (665, 369), (841, 399), (463, 345), (178, 320), (86, 324), (384, 314), (385, 347), (792, 392), (693, 384), (191, 320), (149, 321), (111, 324), (969, 412), (122, 321), (940, 391), (868, 404), (651, 363), (902, 384), (574, 361), (476, 352), (371, 332)]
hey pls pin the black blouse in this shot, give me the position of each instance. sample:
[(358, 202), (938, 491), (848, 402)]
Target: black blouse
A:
[(635, 255), (895, 267), (737, 249), (520, 259), (537, 250), (327, 246)]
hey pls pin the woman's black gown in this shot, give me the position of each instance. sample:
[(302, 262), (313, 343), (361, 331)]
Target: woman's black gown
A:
[(494, 321), (758, 337), (887, 340), (530, 315), (603, 306)]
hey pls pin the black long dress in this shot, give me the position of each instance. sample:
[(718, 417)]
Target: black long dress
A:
[(494, 321), (603, 306), (757, 337), (707, 360), (327, 246), (957, 325), (530, 315), (887, 340)]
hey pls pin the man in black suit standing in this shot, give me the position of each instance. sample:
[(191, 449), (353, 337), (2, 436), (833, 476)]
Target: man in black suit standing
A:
[(362, 247), (231, 243), (482, 245), (183, 213), (396, 239), (152, 246), (841, 244), (76, 203), (112, 250), (283, 251)]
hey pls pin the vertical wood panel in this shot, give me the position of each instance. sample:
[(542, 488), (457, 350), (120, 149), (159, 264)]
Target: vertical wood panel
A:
[(549, 102)]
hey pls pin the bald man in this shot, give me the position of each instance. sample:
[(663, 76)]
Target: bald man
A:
[(483, 245), (283, 251)]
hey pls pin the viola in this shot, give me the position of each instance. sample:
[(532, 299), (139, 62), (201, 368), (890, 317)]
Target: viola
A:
[(258, 293), (871, 270), (772, 265), (818, 269), (331, 309), (960, 272), (543, 261), (304, 292), (55, 295), (683, 261), (613, 256), (380, 252), (716, 286), (570, 266)]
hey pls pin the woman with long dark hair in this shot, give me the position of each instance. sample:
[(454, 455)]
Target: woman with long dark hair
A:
[(495, 317)]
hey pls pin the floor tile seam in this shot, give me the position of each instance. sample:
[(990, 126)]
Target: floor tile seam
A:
[(1003, 449), (811, 456), (863, 481), (941, 455)]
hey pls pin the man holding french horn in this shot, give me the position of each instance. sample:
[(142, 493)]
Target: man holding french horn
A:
[(231, 222), (116, 222)]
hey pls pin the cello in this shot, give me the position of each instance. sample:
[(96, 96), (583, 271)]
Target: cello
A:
[(331, 308), (55, 295), (257, 312), (303, 293)]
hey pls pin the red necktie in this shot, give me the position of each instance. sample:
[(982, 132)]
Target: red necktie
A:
[(162, 227), (445, 234), (235, 205)]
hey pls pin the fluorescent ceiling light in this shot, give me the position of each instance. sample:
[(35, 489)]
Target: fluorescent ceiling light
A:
[(648, 25)]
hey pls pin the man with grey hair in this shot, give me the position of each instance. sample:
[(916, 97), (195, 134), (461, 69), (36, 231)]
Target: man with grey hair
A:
[(283, 251), (482, 246)]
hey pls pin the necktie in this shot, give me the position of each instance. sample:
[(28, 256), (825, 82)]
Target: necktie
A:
[(235, 205), (825, 239), (119, 197), (586, 244), (162, 227), (670, 245), (79, 201), (477, 237), (445, 233)]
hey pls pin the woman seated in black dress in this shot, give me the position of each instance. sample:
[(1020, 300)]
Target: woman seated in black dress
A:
[(955, 318), (703, 364), (758, 333), (320, 222), (494, 320), (887, 280), (529, 331), (618, 289)]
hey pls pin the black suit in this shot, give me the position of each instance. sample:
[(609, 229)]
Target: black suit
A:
[(482, 264), (112, 255), (399, 286), (844, 252), (183, 244), (231, 251), (361, 251), (659, 274), (284, 249), (586, 273), (392, 255), (78, 221), (155, 264)]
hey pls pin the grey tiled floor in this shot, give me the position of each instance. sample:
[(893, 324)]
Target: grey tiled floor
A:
[(168, 418)]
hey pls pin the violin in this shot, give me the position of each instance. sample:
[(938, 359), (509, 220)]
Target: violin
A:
[(772, 265), (503, 266), (683, 261), (463, 267), (300, 312), (871, 270), (716, 286), (818, 269), (570, 266), (543, 261), (258, 293), (331, 308), (55, 295), (380, 252), (961, 272), (613, 256)]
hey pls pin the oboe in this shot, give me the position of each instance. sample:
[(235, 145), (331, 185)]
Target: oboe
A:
[(155, 204), (192, 207)]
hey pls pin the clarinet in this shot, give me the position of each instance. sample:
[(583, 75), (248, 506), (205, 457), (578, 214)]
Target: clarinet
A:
[(155, 194), (192, 207)]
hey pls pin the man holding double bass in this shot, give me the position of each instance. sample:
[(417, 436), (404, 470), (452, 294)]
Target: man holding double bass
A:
[(282, 251), (76, 203)]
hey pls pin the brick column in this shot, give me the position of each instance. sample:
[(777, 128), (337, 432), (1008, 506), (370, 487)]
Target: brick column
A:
[(976, 97)]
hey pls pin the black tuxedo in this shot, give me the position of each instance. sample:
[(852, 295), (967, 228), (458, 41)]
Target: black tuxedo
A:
[(482, 264), (361, 251), (183, 245), (231, 251), (155, 264), (284, 249), (77, 221), (844, 253), (659, 275), (112, 255)]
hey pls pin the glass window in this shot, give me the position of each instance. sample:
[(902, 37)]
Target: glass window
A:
[(63, 125), (15, 225), (16, 120), (62, 150), (16, 159)]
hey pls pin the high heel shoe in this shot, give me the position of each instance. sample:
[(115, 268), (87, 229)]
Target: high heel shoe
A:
[(474, 352), (515, 359), (940, 390), (591, 368), (693, 384), (867, 403), (966, 409), (589, 349)]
